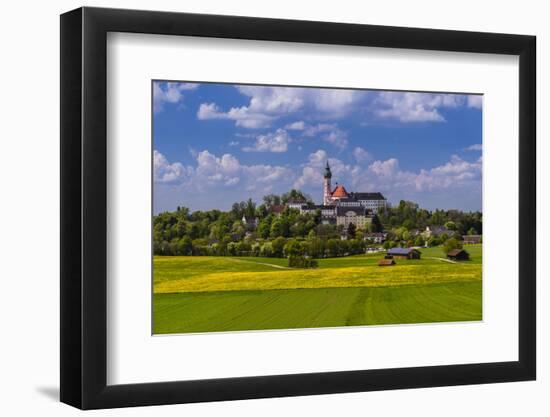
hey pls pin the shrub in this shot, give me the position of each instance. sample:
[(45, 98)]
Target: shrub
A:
[(278, 247), (301, 262), (266, 250), (293, 248)]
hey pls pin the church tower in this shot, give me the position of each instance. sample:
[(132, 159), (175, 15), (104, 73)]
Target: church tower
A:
[(327, 198)]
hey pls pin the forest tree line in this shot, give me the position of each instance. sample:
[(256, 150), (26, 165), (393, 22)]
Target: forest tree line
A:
[(289, 233)]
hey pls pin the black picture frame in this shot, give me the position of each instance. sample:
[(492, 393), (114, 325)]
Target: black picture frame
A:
[(84, 207)]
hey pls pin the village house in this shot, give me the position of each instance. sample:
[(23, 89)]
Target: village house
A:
[(404, 253), (471, 239), (297, 203), (378, 237), (435, 231), (250, 223)]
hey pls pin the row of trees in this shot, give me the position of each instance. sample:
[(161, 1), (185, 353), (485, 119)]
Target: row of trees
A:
[(408, 216), (218, 226), (265, 233), (276, 248)]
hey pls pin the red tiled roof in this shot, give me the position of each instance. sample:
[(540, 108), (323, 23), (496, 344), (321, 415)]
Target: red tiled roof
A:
[(340, 192)]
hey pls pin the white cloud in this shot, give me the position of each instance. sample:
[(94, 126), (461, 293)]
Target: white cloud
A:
[(268, 104), (242, 116), (209, 111), (414, 107), (386, 168), (169, 92), (337, 102), (329, 132), (337, 137), (271, 142), (213, 171), (227, 171), (475, 147), (475, 101), (313, 169), (453, 174), (361, 155), (165, 172), (300, 125), (234, 143), (387, 175)]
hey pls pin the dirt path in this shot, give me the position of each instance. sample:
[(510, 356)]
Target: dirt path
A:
[(441, 259), (262, 263)]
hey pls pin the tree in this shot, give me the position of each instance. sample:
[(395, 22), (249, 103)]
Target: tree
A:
[(250, 209), (261, 211), (185, 246), (278, 247), (293, 248), (266, 250), (277, 228), (388, 244), (450, 225), (375, 225), (451, 244), (333, 246), (264, 228), (351, 230), (272, 200), (419, 241), (295, 195)]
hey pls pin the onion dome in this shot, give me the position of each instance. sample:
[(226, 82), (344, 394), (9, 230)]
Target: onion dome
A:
[(328, 174)]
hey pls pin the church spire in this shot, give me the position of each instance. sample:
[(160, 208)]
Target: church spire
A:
[(328, 174), (327, 188)]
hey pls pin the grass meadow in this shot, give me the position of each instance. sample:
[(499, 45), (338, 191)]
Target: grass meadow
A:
[(209, 294)]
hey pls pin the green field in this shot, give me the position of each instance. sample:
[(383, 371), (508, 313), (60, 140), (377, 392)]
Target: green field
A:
[(205, 294)]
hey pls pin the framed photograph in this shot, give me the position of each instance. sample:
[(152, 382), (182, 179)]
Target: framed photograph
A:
[(257, 208)]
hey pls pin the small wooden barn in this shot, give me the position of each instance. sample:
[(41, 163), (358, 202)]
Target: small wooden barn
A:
[(458, 255), (386, 262), (404, 253)]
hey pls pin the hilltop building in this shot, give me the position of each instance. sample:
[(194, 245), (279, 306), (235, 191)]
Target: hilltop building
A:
[(373, 201), (341, 207)]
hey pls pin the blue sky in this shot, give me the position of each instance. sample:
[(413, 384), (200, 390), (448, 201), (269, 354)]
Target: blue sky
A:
[(215, 144)]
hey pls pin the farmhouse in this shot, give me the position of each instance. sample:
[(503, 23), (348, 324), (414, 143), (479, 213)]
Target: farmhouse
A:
[(458, 255), (471, 239), (386, 262), (250, 222), (404, 253)]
